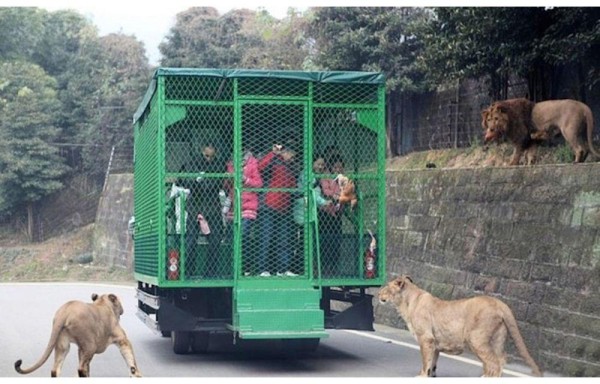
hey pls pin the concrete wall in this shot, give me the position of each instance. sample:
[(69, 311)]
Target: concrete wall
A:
[(112, 244), (528, 235)]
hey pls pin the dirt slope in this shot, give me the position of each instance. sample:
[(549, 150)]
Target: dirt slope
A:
[(61, 258)]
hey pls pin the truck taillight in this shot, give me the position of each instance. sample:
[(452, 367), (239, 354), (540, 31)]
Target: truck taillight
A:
[(371, 258), (173, 264)]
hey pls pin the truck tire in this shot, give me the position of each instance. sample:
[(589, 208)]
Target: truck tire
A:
[(200, 342), (181, 340)]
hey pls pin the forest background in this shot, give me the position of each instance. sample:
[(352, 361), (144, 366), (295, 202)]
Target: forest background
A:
[(67, 94)]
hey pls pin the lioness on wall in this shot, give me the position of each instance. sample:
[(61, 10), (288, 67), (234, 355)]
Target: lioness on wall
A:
[(480, 323), (93, 327), (527, 124)]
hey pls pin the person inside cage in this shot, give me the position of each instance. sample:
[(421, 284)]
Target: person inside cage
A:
[(203, 206), (251, 178), (301, 209), (276, 168), (331, 153), (330, 218)]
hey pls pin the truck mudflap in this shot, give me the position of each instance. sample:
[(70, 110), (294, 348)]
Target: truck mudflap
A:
[(163, 316), (355, 309)]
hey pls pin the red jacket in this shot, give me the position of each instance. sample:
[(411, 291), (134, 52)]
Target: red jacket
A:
[(281, 176), (251, 179)]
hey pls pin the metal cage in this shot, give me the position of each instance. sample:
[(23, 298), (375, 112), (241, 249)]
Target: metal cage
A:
[(235, 178)]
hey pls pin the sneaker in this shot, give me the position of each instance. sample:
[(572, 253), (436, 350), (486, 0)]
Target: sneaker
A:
[(246, 273), (290, 273), (265, 274)]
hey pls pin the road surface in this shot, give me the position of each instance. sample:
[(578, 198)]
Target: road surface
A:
[(28, 309)]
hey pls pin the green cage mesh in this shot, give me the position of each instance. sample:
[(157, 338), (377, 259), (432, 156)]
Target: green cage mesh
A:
[(235, 177)]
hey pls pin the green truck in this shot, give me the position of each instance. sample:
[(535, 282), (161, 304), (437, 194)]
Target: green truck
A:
[(281, 258)]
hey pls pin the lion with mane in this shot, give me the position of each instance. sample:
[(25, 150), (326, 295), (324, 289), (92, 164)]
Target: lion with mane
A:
[(510, 119), (527, 124), (571, 118)]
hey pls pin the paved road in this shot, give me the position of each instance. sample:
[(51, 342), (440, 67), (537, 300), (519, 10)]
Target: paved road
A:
[(28, 310)]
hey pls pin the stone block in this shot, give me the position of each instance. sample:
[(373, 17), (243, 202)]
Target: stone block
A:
[(585, 325), (545, 273), (591, 217), (486, 284), (508, 268)]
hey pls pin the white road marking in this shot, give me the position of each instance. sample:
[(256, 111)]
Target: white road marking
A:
[(416, 347)]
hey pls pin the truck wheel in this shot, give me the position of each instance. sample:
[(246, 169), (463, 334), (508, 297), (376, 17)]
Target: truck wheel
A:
[(180, 340), (200, 342)]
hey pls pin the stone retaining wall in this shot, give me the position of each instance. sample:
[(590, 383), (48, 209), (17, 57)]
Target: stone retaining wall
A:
[(528, 235)]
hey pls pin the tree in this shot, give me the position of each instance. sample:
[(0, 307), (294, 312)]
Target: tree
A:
[(101, 87), (123, 79), (21, 29), (238, 39), (79, 92), (61, 41), (477, 41), (30, 164), (370, 39), (500, 42), (570, 39), (284, 44), (191, 41)]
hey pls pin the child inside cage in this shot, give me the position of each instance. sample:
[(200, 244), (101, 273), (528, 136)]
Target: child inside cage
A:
[(251, 178), (203, 201), (301, 209), (330, 219), (276, 212)]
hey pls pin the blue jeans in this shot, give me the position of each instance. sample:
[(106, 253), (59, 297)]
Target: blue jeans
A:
[(282, 223)]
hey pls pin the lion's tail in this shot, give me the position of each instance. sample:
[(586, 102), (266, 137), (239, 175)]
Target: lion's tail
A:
[(56, 329), (589, 121), (513, 329)]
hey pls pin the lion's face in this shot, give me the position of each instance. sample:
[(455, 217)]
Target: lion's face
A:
[(393, 289), (387, 293), (495, 122)]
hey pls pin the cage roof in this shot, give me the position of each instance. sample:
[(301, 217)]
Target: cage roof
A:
[(325, 77), (340, 77)]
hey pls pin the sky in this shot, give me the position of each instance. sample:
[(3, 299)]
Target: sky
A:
[(150, 21)]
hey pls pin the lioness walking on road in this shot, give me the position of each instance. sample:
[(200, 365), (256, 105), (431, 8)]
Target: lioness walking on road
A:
[(480, 323), (93, 327)]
